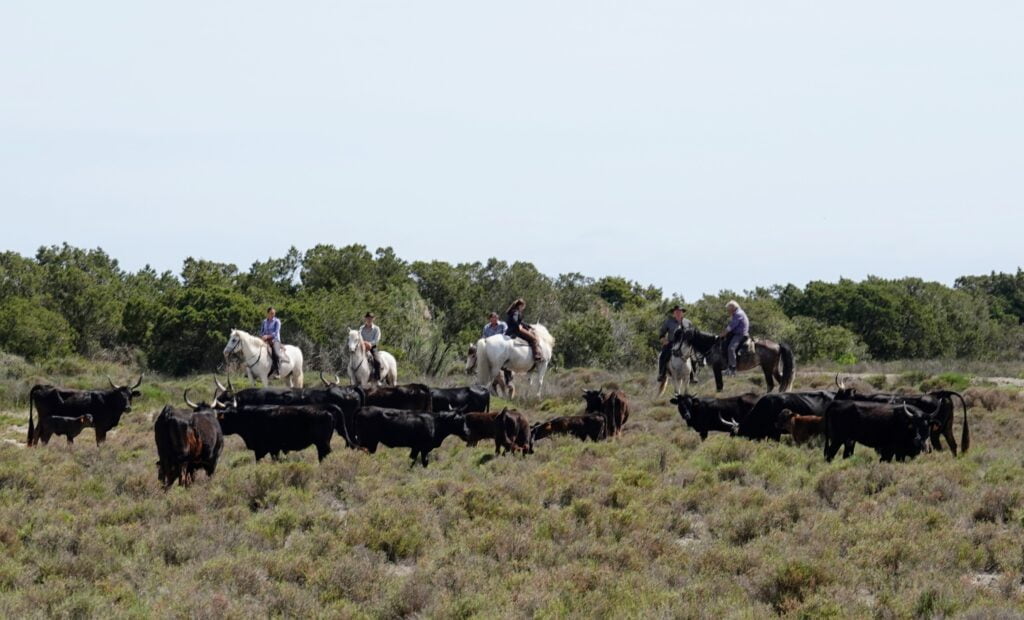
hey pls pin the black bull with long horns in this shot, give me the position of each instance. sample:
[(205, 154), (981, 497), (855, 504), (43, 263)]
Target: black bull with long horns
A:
[(105, 406)]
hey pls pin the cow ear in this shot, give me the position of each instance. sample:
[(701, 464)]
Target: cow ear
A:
[(136, 394)]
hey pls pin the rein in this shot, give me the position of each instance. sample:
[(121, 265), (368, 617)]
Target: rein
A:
[(259, 355)]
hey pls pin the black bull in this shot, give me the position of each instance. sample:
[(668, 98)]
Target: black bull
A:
[(348, 400), (893, 430), (186, 441), (938, 405), (763, 420), (714, 414), (105, 406)]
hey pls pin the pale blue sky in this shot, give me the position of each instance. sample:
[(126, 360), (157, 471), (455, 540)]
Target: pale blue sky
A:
[(693, 145)]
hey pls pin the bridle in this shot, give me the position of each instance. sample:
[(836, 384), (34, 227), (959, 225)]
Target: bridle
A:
[(238, 343)]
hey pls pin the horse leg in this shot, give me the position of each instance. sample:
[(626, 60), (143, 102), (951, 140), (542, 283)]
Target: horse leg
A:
[(718, 378), (768, 377)]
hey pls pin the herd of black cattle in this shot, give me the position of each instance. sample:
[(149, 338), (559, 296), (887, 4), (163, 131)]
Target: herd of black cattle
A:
[(280, 420)]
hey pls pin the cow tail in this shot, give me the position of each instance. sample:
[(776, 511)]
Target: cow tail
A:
[(788, 367), (341, 425), (965, 436)]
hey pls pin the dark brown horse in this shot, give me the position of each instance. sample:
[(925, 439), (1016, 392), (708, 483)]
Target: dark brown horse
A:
[(768, 355)]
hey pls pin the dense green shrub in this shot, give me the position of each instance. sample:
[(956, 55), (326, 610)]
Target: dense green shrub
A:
[(33, 331)]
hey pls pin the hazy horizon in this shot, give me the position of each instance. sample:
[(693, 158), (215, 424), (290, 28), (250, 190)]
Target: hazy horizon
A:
[(693, 147)]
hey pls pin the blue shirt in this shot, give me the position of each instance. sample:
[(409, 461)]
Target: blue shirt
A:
[(494, 330), (271, 327), (739, 324)]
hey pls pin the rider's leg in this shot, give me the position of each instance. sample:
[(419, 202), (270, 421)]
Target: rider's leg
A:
[(376, 362), (532, 341), (734, 344), (663, 358)]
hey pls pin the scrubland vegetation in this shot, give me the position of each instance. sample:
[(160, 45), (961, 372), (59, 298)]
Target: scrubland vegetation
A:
[(654, 524)]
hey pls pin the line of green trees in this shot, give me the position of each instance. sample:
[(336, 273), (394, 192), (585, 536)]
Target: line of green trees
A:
[(67, 300)]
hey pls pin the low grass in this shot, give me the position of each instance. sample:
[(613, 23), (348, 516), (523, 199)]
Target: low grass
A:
[(654, 524)]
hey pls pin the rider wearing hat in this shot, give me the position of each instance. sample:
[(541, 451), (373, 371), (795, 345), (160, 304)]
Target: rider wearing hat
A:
[(667, 335), (371, 338)]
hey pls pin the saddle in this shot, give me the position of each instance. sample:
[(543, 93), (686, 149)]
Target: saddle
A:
[(747, 347)]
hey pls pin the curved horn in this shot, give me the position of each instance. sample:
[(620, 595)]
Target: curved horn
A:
[(188, 402), (234, 402), (112, 384), (219, 386), (139, 382), (324, 380), (733, 423), (231, 388), (337, 379)]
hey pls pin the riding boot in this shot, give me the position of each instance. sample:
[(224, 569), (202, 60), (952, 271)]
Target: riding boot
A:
[(663, 359)]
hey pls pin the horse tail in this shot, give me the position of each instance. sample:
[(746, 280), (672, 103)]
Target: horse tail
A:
[(483, 364), (788, 367), (544, 336)]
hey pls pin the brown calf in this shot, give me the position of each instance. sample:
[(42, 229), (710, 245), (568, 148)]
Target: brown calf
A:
[(582, 427), (512, 433), (801, 427), (480, 426)]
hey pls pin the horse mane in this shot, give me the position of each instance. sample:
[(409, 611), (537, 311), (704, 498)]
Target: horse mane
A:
[(702, 341)]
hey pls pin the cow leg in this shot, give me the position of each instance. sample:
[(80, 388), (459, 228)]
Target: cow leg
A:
[(848, 449), (412, 455), (101, 436), (423, 457), (322, 451), (718, 378), (947, 432)]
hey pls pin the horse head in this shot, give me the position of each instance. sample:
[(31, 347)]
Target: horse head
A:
[(234, 341), (471, 360), (355, 340)]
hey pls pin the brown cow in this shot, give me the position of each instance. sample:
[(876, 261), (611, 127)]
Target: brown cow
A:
[(613, 406), (800, 427), (512, 433), (480, 426), (582, 427)]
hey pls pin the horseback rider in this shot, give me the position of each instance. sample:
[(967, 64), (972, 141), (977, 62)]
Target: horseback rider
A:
[(667, 334), (517, 327), (270, 332), (736, 333), (494, 326), (371, 338)]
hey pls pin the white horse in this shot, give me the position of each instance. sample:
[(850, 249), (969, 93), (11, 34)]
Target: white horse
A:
[(489, 355), (359, 367), (256, 357), (680, 367)]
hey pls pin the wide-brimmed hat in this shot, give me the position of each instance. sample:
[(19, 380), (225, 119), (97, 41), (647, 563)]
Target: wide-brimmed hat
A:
[(369, 315), (677, 307)]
